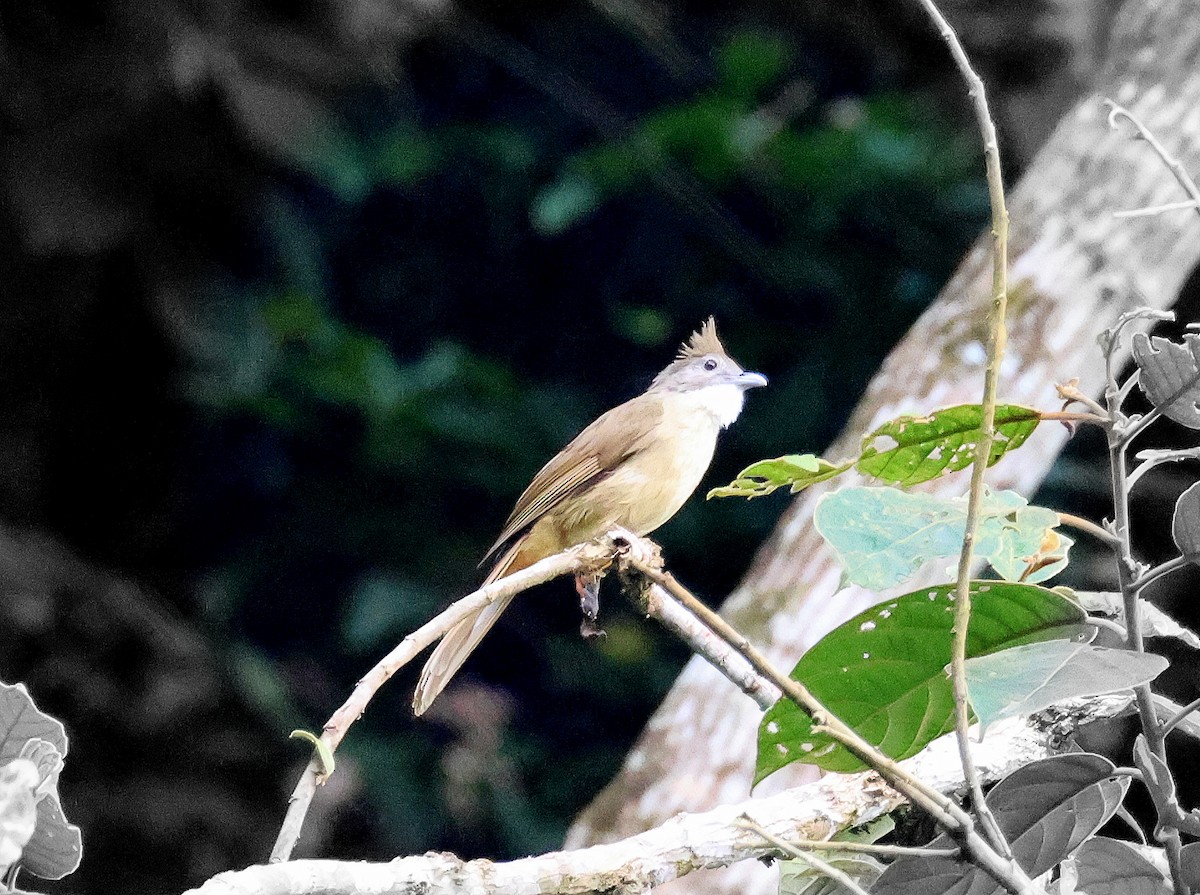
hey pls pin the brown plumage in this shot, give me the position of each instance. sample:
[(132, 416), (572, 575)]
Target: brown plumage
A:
[(633, 467)]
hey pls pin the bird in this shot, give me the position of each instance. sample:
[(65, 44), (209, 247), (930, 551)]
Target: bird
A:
[(633, 468)]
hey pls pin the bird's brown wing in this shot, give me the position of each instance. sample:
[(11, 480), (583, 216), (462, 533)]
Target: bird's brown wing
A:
[(594, 453)]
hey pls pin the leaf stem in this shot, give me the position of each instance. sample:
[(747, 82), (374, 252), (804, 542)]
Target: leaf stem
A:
[(1084, 524)]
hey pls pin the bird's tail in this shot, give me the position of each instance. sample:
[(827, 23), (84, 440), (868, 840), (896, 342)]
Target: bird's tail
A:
[(461, 640)]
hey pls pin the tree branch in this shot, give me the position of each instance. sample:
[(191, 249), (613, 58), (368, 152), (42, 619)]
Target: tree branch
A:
[(683, 844)]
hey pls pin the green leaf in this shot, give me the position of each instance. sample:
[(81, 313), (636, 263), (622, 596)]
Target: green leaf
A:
[(913, 449), (1170, 375), (1185, 525), (884, 671), (1046, 810), (795, 471), (324, 753), (1106, 866), (1029, 678), (882, 536)]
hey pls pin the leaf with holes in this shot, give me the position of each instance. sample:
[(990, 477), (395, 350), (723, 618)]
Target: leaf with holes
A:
[(884, 671), (913, 449), (1028, 678), (1185, 525), (883, 536), (1046, 810), (795, 471), (1170, 375)]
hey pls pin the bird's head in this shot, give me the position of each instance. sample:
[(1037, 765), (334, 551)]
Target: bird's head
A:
[(705, 370)]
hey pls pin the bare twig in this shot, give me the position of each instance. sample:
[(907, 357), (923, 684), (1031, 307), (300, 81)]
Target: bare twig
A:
[(997, 338), (1184, 179), (595, 555), (1152, 210)]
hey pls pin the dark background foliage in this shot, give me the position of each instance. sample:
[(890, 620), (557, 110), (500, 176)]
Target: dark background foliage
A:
[(299, 296)]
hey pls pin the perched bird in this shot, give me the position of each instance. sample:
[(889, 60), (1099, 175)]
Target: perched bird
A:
[(633, 467)]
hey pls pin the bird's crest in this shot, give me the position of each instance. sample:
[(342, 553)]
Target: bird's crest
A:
[(703, 341)]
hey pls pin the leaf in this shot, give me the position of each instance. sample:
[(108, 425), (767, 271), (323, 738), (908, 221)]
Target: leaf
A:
[(1028, 678), (324, 753), (796, 471), (1046, 810), (913, 449), (798, 877), (1170, 375), (1189, 862), (883, 536), (1106, 866), (56, 846), (884, 671), (1154, 622), (1185, 525), (18, 809), (1160, 783)]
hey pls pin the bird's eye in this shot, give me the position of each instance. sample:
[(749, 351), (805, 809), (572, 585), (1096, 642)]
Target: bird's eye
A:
[(710, 364)]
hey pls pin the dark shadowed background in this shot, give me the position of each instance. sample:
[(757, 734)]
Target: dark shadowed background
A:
[(297, 298)]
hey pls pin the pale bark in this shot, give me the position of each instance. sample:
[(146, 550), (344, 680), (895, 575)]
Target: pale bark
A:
[(1074, 270)]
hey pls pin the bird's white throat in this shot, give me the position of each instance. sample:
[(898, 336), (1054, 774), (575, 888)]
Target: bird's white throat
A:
[(724, 402)]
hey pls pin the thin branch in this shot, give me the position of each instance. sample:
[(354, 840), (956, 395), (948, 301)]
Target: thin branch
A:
[(1153, 210), (1180, 716), (1182, 177), (1074, 416), (874, 848), (823, 867), (656, 603), (1123, 392), (1166, 568), (595, 555), (997, 338)]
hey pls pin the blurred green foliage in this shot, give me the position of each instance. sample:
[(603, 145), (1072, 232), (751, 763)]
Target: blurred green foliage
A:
[(441, 283)]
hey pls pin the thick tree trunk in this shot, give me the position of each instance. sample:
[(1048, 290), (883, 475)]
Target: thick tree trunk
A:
[(1074, 270)]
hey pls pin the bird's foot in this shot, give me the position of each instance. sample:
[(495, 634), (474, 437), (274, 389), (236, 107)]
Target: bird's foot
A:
[(587, 584)]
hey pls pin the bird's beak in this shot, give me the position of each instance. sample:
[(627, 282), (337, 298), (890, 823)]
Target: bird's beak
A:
[(746, 379)]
